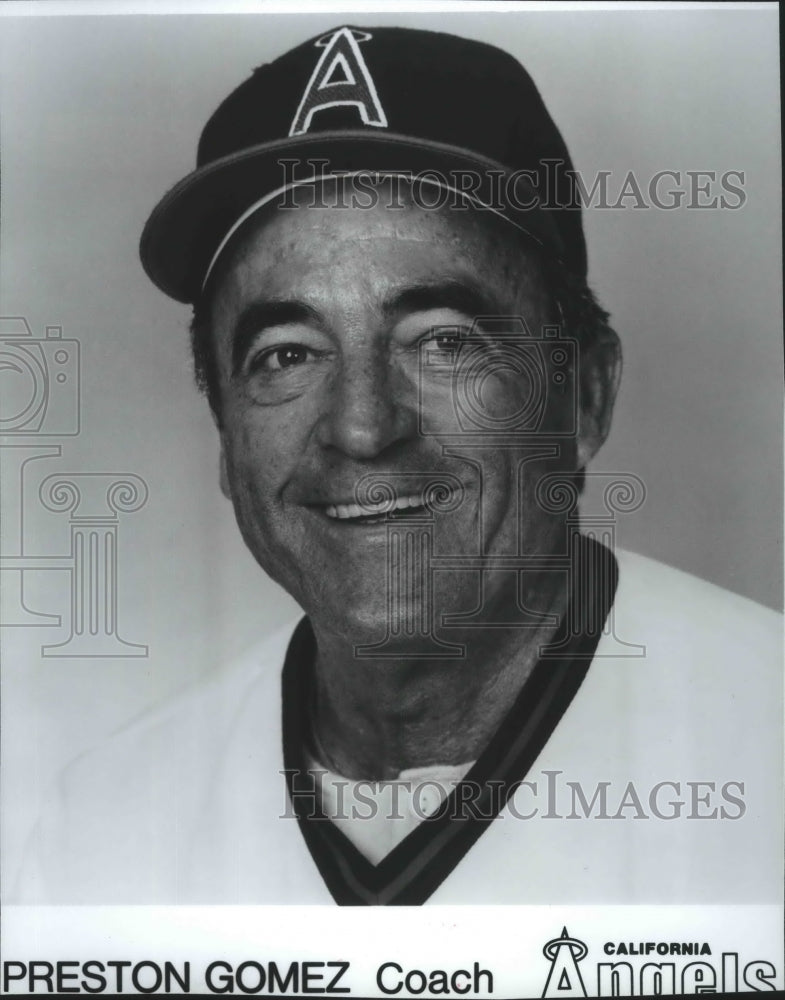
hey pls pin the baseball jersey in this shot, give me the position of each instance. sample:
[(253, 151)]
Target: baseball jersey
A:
[(647, 773)]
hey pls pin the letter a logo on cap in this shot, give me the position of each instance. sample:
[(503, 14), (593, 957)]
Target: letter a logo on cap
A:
[(340, 78)]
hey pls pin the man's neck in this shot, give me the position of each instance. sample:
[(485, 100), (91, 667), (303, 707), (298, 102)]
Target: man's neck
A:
[(373, 719)]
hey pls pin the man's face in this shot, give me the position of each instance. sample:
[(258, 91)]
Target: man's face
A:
[(320, 319)]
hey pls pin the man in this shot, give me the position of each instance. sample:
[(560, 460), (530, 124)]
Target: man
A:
[(409, 376)]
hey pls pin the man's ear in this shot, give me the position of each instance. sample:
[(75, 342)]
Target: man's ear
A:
[(223, 475), (600, 373)]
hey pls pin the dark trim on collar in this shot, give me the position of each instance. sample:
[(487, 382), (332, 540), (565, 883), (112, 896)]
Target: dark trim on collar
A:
[(417, 866)]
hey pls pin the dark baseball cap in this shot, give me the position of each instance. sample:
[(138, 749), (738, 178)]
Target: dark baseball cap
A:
[(377, 100)]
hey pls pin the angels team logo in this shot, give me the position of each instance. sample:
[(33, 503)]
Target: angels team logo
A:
[(341, 78), (564, 978)]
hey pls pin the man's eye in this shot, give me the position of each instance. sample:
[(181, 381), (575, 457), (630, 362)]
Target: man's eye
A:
[(278, 358), (447, 342)]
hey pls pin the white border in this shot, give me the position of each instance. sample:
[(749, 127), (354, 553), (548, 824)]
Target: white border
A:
[(61, 8)]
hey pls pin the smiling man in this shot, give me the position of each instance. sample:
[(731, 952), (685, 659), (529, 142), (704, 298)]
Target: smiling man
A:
[(332, 333), (409, 376)]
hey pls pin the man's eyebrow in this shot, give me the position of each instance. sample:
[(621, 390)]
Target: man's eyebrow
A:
[(260, 316), (461, 296)]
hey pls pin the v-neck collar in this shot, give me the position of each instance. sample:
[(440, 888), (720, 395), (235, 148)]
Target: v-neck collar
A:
[(416, 867)]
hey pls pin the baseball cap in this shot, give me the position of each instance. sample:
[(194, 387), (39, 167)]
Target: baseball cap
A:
[(378, 100)]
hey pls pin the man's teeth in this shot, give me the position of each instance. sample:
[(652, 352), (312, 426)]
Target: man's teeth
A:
[(344, 511)]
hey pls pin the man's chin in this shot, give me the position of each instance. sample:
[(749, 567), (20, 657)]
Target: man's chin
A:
[(362, 622), (353, 618)]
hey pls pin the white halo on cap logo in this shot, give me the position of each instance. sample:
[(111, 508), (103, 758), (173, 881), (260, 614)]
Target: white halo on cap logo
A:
[(341, 78)]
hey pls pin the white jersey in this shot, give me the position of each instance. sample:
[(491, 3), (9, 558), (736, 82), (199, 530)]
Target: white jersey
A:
[(659, 783)]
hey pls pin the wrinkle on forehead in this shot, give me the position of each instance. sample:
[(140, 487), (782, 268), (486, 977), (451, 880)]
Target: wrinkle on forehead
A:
[(480, 239)]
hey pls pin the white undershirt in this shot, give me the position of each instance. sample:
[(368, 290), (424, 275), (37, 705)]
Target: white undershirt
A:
[(377, 815)]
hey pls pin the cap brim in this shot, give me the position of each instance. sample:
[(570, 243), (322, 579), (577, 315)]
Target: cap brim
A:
[(188, 224)]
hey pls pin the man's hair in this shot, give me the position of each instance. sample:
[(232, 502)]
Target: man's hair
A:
[(205, 366), (579, 314)]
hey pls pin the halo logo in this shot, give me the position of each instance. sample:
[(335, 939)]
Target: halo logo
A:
[(341, 78), (564, 978)]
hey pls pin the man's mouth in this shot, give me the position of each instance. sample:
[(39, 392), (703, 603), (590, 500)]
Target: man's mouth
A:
[(371, 512)]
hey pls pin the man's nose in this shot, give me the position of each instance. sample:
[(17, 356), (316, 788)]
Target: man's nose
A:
[(368, 408)]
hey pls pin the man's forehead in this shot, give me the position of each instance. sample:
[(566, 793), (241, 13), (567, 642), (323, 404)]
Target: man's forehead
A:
[(320, 225)]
